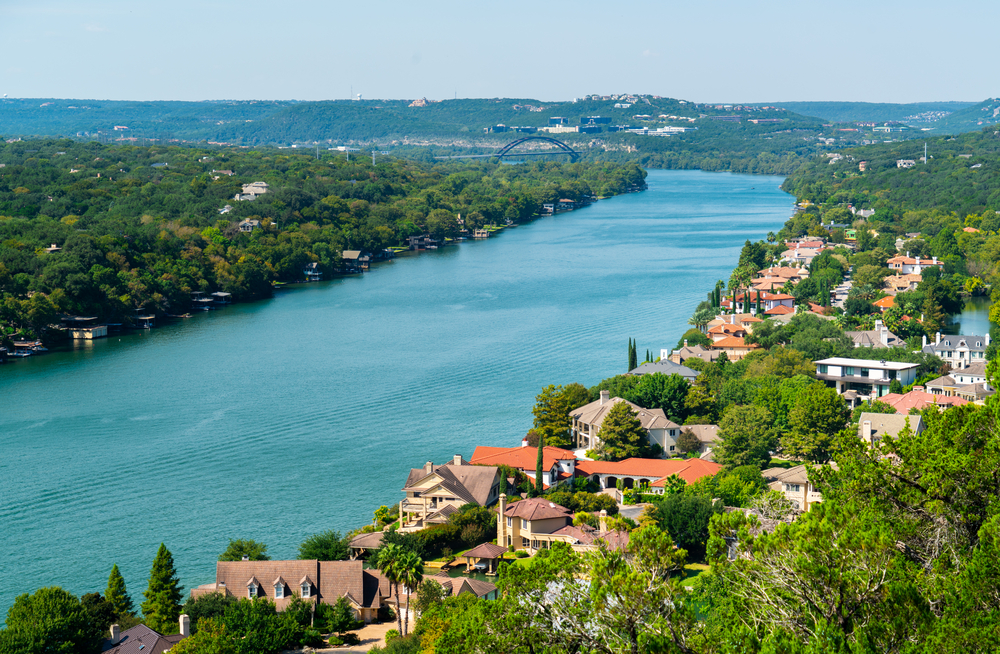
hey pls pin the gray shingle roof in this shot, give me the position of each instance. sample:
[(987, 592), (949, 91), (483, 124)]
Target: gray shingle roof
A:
[(666, 367)]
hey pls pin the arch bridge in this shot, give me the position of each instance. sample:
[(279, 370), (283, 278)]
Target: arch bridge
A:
[(505, 151)]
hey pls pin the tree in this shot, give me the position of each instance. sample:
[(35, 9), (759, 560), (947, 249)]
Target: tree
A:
[(746, 437), (326, 546), (341, 617), (815, 420), (659, 391), (685, 517), (101, 612), (633, 358), (117, 595), (688, 442), (207, 606), (211, 638), (49, 620), (551, 411), (251, 549), (430, 594), (873, 275), (621, 434), (163, 596), (388, 560), (256, 628), (410, 574), (539, 469), (693, 337)]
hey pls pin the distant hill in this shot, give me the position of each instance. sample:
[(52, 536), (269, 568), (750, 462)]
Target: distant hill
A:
[(847, 112), (971, 118)]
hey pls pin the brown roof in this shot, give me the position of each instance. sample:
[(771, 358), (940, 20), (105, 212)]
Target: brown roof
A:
[(486, 551), (236, 575), (705, 433), (140, 639), (458, 585), (367, 541), (537, 508), (595, 413), (331, 579), (471, 483), (349, 578)]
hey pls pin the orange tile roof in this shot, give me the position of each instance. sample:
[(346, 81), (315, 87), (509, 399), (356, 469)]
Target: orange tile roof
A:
[(919, 400), (522, 458), (732, 342), (690, 470), (885, 303), (780, 310)]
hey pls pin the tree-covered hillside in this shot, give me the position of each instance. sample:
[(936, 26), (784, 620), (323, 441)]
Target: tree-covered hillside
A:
[(876, 112), (143, 226)]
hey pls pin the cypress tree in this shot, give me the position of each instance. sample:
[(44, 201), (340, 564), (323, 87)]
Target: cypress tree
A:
[(758, 303), (538, 466), (116, 595), (162, 607)]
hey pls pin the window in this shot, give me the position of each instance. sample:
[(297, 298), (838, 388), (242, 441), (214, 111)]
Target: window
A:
[(306, 589), (510, 521), (508, 540), (279, 591), (252, 591), (794, 488), (822, 369), (848, 371), (864, 372), (524, 541), (672, 448)]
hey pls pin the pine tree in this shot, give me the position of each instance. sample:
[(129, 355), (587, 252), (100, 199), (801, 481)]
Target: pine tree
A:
[(633, 356), (162, 607), (758, 303), (538, 466), (116, 595)]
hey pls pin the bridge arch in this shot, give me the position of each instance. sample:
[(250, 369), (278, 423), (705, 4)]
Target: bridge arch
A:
[(505, 150)]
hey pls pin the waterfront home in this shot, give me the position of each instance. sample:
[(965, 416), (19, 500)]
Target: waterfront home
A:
[(707, 435), (423, 242), (534, 524), (768, 301), (558, 465), (689, 352), (636, 472), (869, 379), (586, 424), (312, 580), (908, 265), (794, 484), (312, 272), (665, 367), (435, 492), (919, 399), (958, 351), (788, 273), (873, 427), (800, 256), (140, 639), (725, 330), (455, 586), (83, 327), (895, 284), (364, 543), (878, 337), (353, 261), (735, 348), (969, 383)]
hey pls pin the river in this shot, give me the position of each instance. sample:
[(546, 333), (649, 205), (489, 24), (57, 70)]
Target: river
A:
[(282, 418)]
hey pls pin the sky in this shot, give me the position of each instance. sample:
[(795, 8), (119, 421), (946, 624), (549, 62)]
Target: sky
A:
[(550, 50)]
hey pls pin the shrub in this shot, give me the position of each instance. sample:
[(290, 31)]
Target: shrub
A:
[(521, 554), (391, 635), (311, 638), (350, 639), (333, 641)]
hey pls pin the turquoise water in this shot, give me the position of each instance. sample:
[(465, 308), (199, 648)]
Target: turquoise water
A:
[(974, 319), (282, 418)]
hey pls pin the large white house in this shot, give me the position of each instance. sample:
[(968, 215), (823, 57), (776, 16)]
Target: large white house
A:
[(867, 378), (587, 420)]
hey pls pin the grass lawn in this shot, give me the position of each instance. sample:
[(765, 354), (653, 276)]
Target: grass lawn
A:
[(693, 573), (781, 463)]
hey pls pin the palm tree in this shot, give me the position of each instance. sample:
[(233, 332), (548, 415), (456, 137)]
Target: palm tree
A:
[(410, 573), (388, 562)]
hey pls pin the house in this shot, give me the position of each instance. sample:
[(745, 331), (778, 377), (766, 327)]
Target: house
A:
[(800, 256), (353, 261), (787, 273), (735, 348), (636, 472), (312, 580), (780, 310), (920, 399), (878, 337), (894, 284), (312, 272), (424, 242), (586, 424), (885, 303), (725, 330), (958, 351), (364, 543), (140, 639), (690, 352), (708, 436), (794, 484), (255, 188), (455, 586), (969, 383), (873, 427), (247, 226), (558, 465), (534, 524), (908, 265), (435, 492), (867, 378), (746, 301), (665, 367)]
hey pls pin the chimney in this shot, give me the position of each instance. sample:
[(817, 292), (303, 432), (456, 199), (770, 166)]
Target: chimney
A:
[(603, 521), (428, 467), (246, 558), (524, 442), (937, 339), (866, 431), (185, 622), (501, 522), (115, 634), (987, 339), (686, 343), (605, 397), (919, 388), (934, 259), (457, 460), (925, 340), (907, 254)]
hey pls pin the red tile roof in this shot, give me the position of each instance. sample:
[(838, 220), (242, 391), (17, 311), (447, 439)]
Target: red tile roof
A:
[(522, 458), (732, 342), (919, 400), (885, 303), (780, 310), (690, 470)]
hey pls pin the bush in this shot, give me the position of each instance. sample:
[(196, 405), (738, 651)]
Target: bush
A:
[(311, 638), (521, 554), (406, 645), (350, 639), (391, 635), (333, 641)]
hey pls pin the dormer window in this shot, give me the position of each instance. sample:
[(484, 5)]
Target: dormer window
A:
[(306, 589), (253, 590), (279, 590)]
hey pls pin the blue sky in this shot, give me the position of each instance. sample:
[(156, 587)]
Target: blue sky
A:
[(700, 50)]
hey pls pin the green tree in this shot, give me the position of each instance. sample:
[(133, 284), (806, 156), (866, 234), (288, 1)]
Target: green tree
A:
[(341, 618), (539, 468), (326, 546), (211, 638), (117, 595), (101, 612), (429, 594), (251, 549), (410, 574), (814, 422), (685, 517), (552, 408), (49, 620), (163, 596), (659, 391), (746, 437), (256, 628), (688, 442), (388, 559), (207, 606), (621, 434), (693, 337)]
